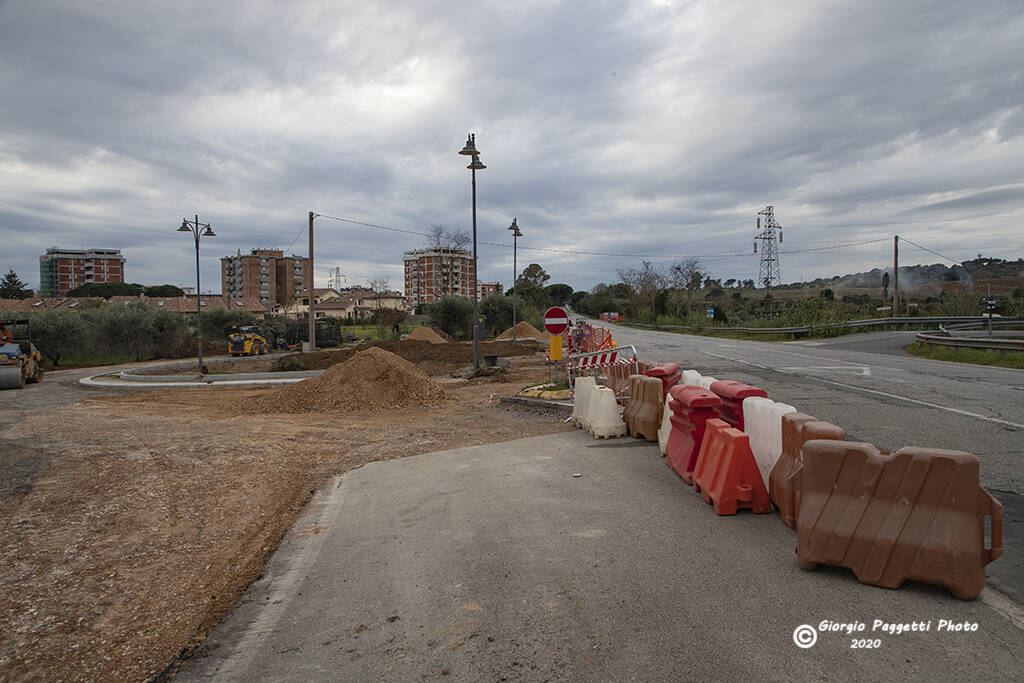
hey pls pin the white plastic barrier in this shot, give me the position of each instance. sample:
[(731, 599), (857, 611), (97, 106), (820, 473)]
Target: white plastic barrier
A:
[(581, 400), (706, 382), (690, 378), (603, 414), (666, 426), (762, 421)]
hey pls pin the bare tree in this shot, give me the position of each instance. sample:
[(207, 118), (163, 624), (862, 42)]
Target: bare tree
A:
[(448, 242), (687, 275), (379, 286), (646, 281)]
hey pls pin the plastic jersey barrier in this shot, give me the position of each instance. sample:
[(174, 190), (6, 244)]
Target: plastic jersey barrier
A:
[(633, 401), (917, 514), (668, 373), (726, 474), (690, 378), (706, 382), (581, 400), (732, 394), (644, 408), (603, 414), (784, 480), (762, 421), (666, 425), (692, 407)]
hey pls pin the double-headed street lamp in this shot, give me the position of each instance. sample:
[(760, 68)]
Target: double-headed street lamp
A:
[(515, 272), (474, 166), (199, 230)]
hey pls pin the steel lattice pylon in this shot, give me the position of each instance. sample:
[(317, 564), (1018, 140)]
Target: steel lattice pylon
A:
[(768, 276)]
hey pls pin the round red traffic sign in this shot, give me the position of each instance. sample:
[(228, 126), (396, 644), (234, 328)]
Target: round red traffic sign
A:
[(556, 320)]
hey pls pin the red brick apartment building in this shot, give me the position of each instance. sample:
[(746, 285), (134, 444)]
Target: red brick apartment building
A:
[(266, 274), (61, 270), (431, 274)]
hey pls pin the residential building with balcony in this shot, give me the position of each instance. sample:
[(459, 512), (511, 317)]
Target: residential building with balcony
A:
[(432, 274), (266, 274), (61, 270)]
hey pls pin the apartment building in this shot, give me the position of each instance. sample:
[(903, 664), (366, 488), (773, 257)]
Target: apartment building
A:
[(61, 270), (431, 274), (266, 274), (487, 288)]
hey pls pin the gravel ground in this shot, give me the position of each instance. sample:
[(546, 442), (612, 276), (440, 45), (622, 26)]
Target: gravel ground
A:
[(130, 523)]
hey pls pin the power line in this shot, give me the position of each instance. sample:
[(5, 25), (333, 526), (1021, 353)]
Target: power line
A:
[(954, 261)]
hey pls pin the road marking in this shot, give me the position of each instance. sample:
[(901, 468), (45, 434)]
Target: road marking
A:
[(948, 409), (862, 370)]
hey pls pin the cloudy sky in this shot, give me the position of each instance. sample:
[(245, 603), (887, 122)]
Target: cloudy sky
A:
[(625, 130)]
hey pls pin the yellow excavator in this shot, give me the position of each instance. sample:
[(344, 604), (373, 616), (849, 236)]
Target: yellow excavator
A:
[(20, 360), (247, 341)]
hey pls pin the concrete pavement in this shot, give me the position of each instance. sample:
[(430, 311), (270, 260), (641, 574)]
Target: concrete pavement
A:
[(495, 562)]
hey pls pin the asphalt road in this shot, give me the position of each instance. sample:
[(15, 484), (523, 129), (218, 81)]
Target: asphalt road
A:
[(496, 562)]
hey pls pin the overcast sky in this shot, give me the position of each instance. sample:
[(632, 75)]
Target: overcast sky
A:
[(631, 129)]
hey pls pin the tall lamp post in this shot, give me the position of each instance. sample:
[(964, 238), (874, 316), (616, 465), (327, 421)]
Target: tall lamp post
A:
[(474, 166), (199, 230), (515, 272)]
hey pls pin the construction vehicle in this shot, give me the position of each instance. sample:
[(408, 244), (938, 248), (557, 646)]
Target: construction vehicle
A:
[(20, 360), (247, 341)]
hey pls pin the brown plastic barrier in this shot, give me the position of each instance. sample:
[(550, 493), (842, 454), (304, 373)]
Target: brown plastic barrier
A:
[(726, 473), (732, 394), (784, 480), (643, 412), (917, 514), (668, 373)]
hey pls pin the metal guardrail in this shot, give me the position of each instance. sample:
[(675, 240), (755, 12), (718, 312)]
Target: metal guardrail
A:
[(971, 342)]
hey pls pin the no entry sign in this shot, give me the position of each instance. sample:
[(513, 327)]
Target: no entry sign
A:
[(556, 320)]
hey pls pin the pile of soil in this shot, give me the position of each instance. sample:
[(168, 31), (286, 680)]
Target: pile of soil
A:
[(434, 359), (524, 330), (373, 379), (426, 334)]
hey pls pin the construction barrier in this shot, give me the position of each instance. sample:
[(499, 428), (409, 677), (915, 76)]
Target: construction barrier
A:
[(603, 414), (725, 474), (917, 514), (762, 421), (666, 425), (612, 367), (692, 407), (643, 411), (784, 480), (690, 378), (706, 381), (668, 373), (581, 400), (732, 395)]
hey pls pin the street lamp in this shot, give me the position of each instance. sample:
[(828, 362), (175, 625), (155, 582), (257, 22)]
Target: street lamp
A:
[(199, 230), (515, 273), (474, 166)]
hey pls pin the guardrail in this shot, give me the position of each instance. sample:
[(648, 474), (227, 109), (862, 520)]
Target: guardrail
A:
[(849, 324), (971, 342)]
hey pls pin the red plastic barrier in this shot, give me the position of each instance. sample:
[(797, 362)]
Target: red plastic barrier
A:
[(917, 514), (668, 373), (692, 407), (732, 395), (726, 473), (784, 480)]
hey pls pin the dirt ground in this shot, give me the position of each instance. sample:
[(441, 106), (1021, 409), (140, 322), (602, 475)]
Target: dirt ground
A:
[(149, 513)]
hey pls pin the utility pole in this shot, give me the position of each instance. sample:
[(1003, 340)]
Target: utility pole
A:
[(768, 276), (312, 325), (895, 275)]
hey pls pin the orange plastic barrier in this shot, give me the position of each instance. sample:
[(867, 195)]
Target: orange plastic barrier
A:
[(917, 514), (732, 394), (643, 411), (668, 373), (726, 473), (692, 407), (784, 480)]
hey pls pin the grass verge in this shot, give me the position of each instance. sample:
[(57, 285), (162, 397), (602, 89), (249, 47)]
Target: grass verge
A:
[(1009, 359)]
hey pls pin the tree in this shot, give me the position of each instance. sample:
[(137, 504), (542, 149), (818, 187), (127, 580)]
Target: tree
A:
[(11, 287), (454, 315), (164, 290), (534, 275), (646, 280), (686, 275), (57, 331), (107, 289), (379, 285), (559, 293), (498, 310)]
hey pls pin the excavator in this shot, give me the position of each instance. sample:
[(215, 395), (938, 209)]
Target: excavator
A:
[(20, 360), (247, 341)]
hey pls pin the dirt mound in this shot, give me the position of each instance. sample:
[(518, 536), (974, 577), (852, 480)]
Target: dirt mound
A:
[(524, 330), (372, 379), (431, 357), (426, 334)]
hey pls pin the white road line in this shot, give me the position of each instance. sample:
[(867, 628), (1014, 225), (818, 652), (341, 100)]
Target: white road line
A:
[(863, 369), (948, 409)]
